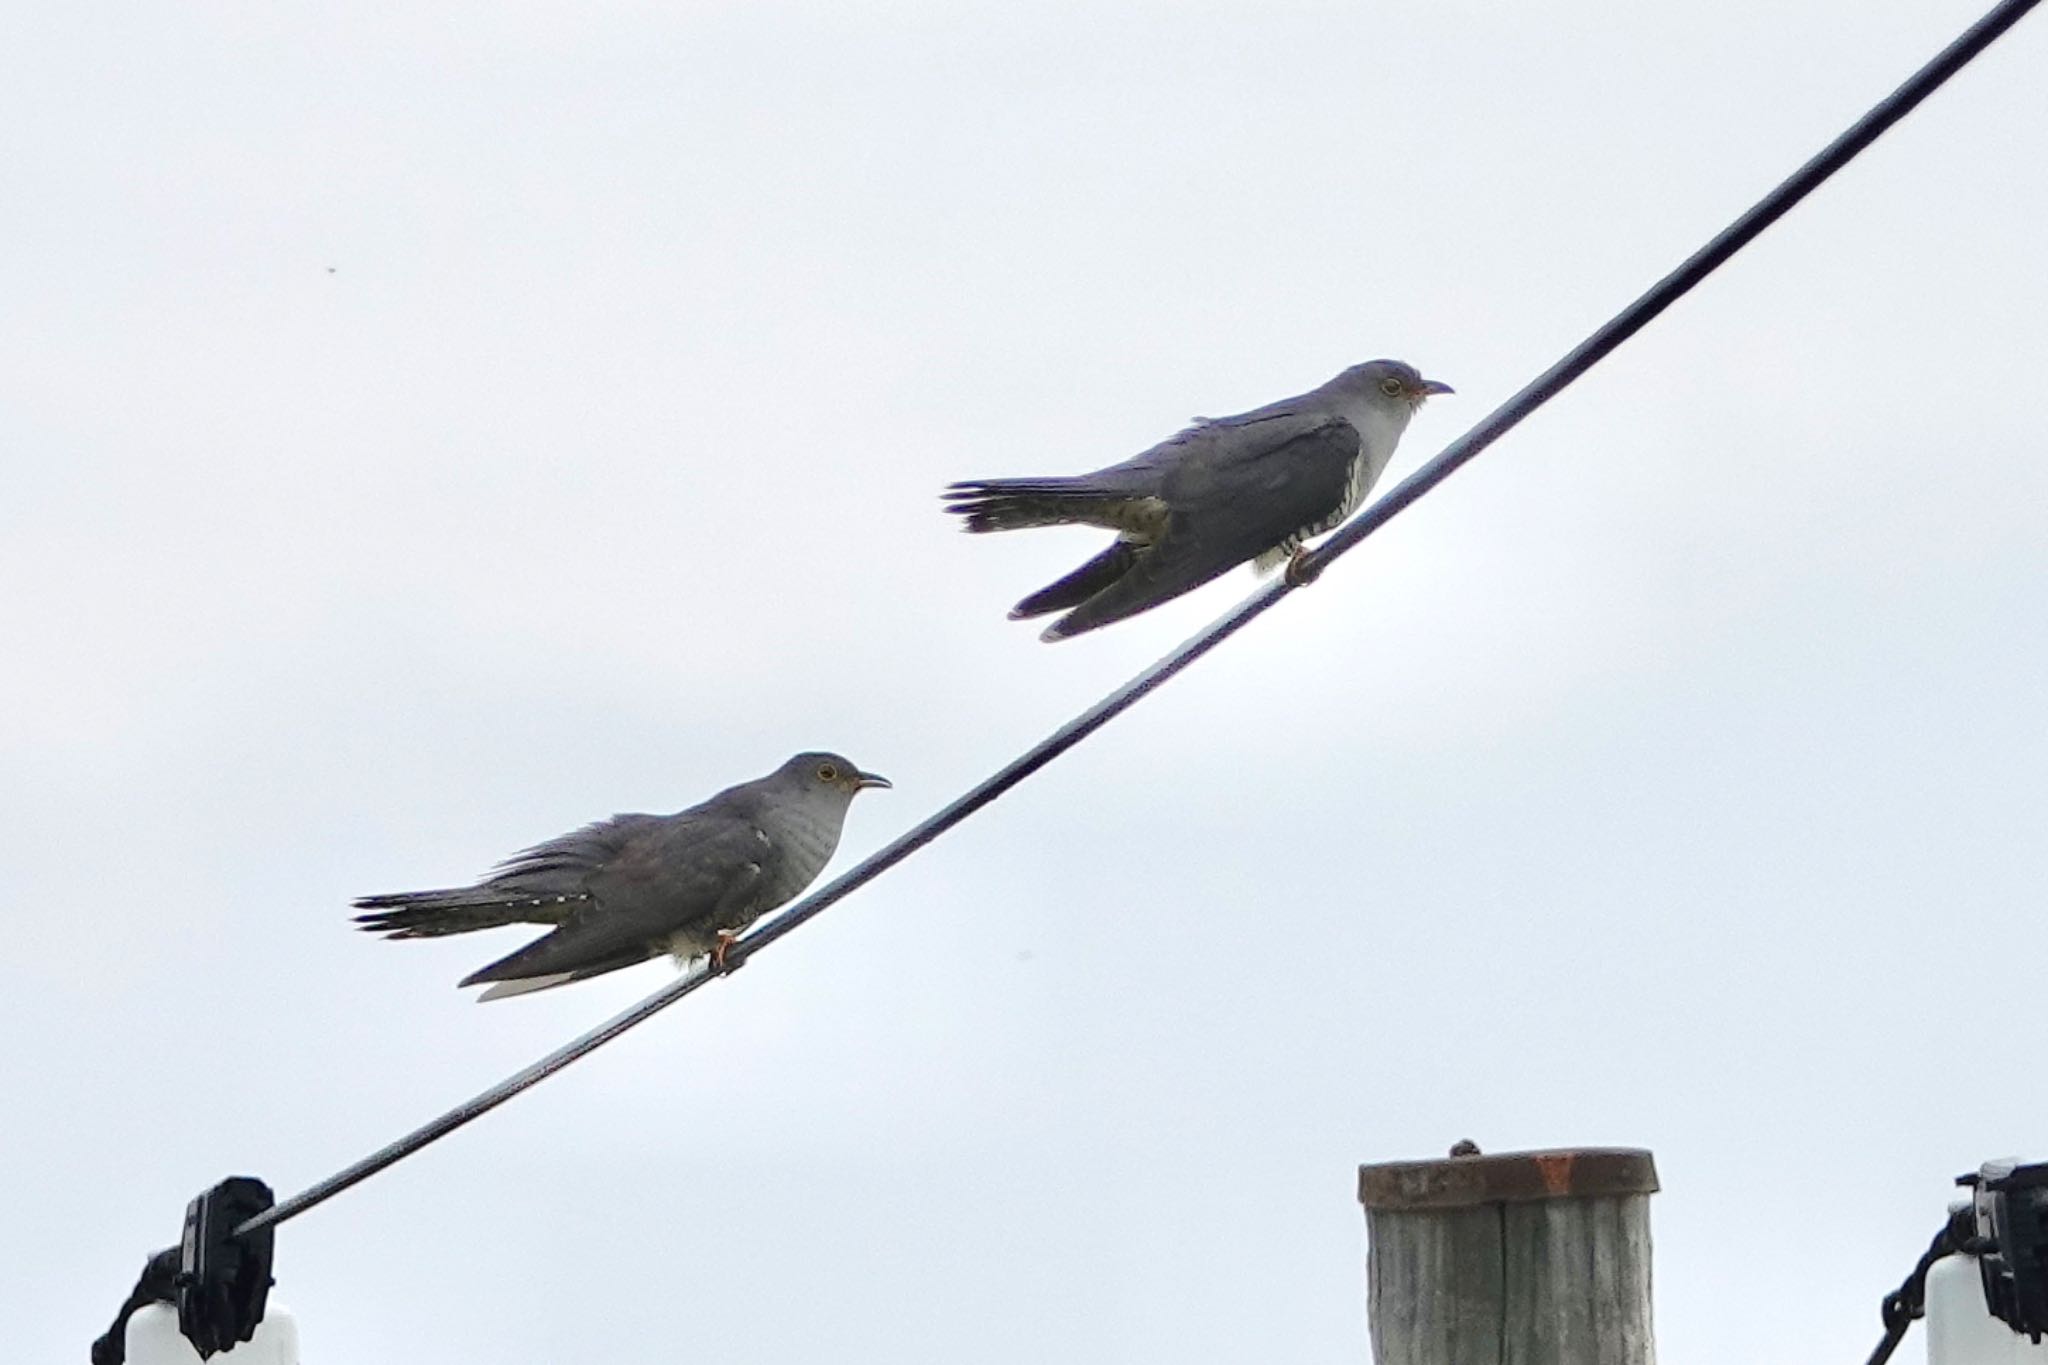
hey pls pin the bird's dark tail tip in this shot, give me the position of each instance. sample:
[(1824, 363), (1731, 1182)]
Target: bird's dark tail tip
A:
[(1080, 585), (397, 918)]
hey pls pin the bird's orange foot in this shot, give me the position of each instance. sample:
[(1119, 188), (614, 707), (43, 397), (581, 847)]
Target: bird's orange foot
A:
[(726, 938), (1300, 573)]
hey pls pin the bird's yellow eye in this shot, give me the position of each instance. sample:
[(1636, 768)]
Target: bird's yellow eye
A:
[(827, 773), (1391, 386)]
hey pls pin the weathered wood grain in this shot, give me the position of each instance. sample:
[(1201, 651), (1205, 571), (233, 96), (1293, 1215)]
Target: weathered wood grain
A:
[(1532, 1258)]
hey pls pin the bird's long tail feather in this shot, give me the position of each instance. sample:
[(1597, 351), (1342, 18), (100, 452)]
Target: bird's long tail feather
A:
[(1013, 504), (432, 914)]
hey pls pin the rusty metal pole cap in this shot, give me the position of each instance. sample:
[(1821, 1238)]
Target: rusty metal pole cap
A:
[(1467, 1180)]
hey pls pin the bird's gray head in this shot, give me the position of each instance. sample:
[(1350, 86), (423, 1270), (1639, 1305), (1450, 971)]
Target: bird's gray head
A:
[(1388, 383), (826, 775)]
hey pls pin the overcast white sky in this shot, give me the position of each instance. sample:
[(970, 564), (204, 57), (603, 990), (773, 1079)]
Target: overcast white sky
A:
[(427, 428)]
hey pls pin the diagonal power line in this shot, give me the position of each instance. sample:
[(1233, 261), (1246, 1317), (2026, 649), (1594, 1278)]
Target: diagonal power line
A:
[(1496, 424)]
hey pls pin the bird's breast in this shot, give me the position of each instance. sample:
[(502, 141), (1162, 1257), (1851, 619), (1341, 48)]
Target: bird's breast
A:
[(1358, 481), (800, 845)]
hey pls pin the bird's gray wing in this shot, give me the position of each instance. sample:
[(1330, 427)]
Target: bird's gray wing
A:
[(1236, 491), (1128, 497), (671, 875)]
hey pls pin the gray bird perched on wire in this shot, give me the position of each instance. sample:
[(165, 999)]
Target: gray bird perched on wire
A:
[(1225, 490), (636, 886)]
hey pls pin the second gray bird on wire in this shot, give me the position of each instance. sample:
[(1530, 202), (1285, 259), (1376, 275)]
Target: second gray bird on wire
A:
[(636, 886), (1225, 490)]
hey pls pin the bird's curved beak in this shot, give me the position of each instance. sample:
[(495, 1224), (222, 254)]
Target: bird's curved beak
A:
[(1432, 387), (867, 780)]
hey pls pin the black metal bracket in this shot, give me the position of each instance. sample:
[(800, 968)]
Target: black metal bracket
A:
[(2010, 1204), (224, 1281), (219, 1282)]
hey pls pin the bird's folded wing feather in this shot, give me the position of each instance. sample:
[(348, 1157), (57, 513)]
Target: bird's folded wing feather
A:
[(666, 875), (1244, 491)]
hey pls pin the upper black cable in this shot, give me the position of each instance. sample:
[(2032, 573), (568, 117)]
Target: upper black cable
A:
[(1541, 390)]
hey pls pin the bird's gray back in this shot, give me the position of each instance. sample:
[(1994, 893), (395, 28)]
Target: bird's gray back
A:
[(777, 831), (1195, 462), (673, 870), (1218, 447), (566, 864)]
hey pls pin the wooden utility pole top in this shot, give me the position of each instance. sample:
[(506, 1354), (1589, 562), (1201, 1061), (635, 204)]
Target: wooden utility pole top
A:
[(1528, 1258)]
